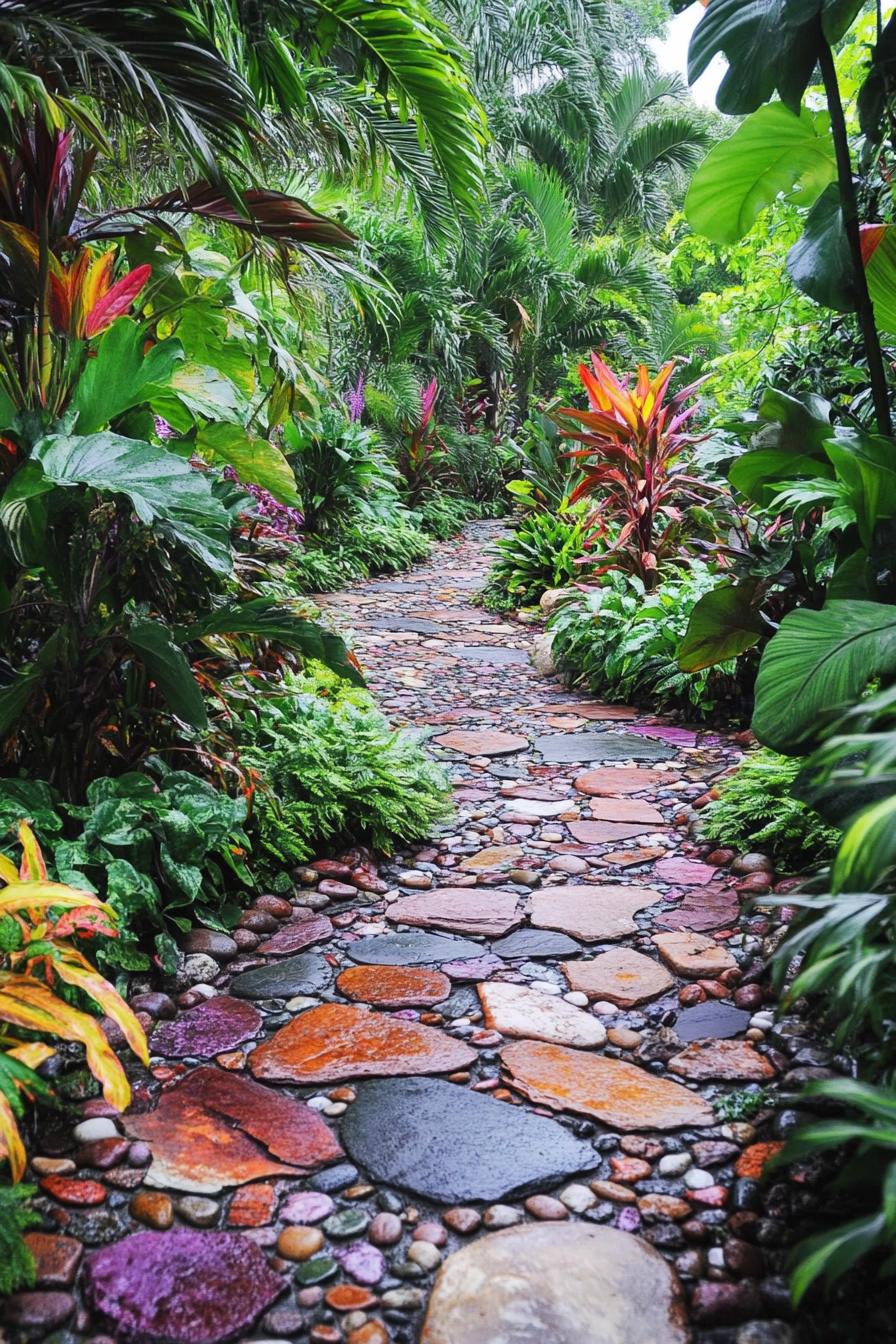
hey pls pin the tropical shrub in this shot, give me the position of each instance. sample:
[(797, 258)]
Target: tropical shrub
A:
[(543, 552), (444, 515), (163, 850), (757, 807), (633, 441), (40, 962), (477, 463), (621, 641), (339, 465), (329, 768), (421, 453), (550, 473)]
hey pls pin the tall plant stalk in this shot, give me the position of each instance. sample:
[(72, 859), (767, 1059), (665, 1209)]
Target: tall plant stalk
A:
[(850, 207)]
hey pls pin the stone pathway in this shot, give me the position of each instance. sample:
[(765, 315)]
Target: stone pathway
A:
[(466, 1098)]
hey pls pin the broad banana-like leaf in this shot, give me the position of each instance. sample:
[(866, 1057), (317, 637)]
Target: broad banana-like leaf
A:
[(120, 375), (255, 460), (819, 263), (818, 662), (168, 666), (267, 619)]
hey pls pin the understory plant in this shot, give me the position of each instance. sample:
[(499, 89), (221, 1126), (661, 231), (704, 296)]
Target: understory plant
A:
[(757, 808), (621, 641), (542, 552), (329, 768)]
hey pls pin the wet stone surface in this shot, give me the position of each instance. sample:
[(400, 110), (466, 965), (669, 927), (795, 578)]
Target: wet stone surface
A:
[(518, 1035)]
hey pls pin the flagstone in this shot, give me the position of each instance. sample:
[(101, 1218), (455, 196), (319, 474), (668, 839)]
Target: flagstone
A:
[(494, 856), (211, 1028), (621, 976), (714, 1018), (533, 792), (305, 927), (685, 871), (565, 1283), (530, 807), (702, 909), (180, 1287), (532, 944), (307, 973), (592, 913), (216, 1129), (693, 955), (337, 1041), (602, 832), (677, 737), (517, 1010), (585, 709), (489, 653), (625, 779), (629, 858), (567, 748), (394, 986), (619, 1094), (482, 742), (734, 1061), (412, 949), (448, 1144), (625, 809), (486, 910)]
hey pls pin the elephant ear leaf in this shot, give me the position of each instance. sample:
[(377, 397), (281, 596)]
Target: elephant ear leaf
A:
[(723, 624), (255, 460), (168, 666), (121, 374), (819, 263), (818, 662), (164, 491)]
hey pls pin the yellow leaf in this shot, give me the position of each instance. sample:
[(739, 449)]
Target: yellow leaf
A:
[(44, 895), (8, 871), (33, 868), (32, 1053), (11, 1146), (76, 970)]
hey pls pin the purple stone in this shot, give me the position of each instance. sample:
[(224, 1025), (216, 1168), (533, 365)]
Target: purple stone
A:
[(629, 1219), (686, 871), (363, 1262), (218, 1024), (677, 737), (180, 1287), (474, 968), (307, 1206), (407, 1014)]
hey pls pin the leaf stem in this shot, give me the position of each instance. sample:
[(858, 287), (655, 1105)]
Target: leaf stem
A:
[(850, 207)]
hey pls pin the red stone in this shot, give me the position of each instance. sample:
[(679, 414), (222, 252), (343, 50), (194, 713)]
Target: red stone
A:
[(701, 910), (735, 1061), (712, 1197), (626, 779), (302, 930), (685, 871), (484, 742), (102, 1153), (630, 1169), (339, 1041), (349, 1297), (56, 1258), (753, 1160), (252, 1206), (68, 1190), (626, 809), (603, 832), (394, 986)]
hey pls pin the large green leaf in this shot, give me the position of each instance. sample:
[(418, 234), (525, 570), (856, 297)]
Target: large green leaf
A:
[(866, 465), (255, 460), (820, 661), (879, 256), (267, 619), (167, 665), (758, 474), (23, 516), (164, 490), (774, 152), (769, 44), (819, 263), (723, 624), (120, 375), (195, 391)]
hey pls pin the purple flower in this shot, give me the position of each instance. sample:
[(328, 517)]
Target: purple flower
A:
[(354, 399), (280, 518), (163, 429)]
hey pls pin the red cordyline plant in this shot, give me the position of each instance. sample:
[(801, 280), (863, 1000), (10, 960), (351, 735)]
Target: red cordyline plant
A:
[(633, 438), (422, 452)]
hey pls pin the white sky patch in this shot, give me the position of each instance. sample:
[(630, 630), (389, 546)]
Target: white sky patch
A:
[(672, 54)]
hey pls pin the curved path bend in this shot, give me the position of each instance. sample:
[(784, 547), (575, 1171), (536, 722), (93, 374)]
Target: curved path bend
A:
[(470, 1098)]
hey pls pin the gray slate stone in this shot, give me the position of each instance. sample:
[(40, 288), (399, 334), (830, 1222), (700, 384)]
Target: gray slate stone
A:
[(489, 653), (307, 973), (446, 1144), (416, 625), (565, 748), (412, 949), (717, 1020), (526, 943)]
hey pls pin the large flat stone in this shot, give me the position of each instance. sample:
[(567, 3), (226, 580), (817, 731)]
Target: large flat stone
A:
[(305, 974), (734, 1061), (592, 913), (482, 742), (394, 986), (218, 1024), (686, 872), (492, 857), (413, 624), (693, 955), (180, 1287), (591, 709), (713, 1019), (604, 832), (489, 653), (485, 910), (621, 976), (412, 949), (556, 1283), (626, 809), (533, 944), (216, 1129), (448, 1144), (305, 927), (612, 783), (568, 748), (342, 1041), (619, 1094), (517, 1010), (703, 908)]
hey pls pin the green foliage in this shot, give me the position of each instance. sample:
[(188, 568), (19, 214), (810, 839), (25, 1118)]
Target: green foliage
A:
[(16, 1261), (741, 1105), (331, 769), (164, 852), (758, 809), (541, 553), (622, 643), (477, 463), (443, 516), (339, 466)]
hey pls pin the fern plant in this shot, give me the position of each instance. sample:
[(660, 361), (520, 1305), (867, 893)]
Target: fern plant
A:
[(757, 806), (16, 1217)]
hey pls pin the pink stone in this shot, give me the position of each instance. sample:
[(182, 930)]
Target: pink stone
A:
[(685, 871)]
